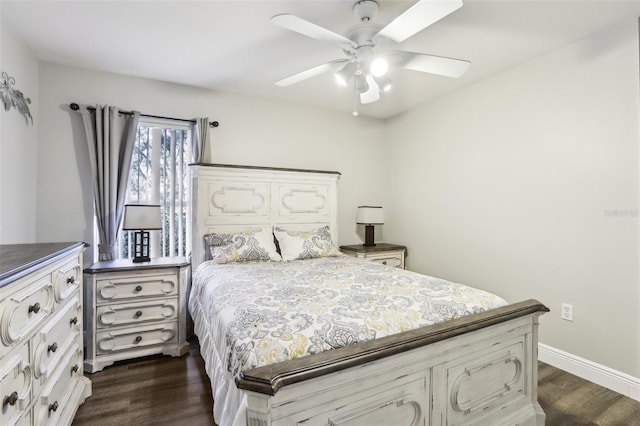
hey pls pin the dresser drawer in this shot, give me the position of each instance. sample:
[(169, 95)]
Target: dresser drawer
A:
[(15, 386), (133, 338), (55, 396), (124, 314), (24, 310), (55, 339), (25, 420), (136, 287), (66, 280)]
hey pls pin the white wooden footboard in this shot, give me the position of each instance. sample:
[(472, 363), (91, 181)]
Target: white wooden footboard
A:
[(476, 370)]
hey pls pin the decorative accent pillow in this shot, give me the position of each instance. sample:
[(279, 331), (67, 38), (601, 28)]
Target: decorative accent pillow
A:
[(246, 246), (309, 244)]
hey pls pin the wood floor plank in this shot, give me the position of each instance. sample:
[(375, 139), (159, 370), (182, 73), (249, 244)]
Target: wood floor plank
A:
[(624, 411), (166, 391)]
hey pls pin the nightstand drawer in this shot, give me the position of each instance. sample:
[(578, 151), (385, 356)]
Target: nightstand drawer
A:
[(135, 313), (395, 261), (384, 253), (136, 287), (133, 338)]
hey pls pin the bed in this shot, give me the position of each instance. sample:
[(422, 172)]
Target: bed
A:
[(473, 363)]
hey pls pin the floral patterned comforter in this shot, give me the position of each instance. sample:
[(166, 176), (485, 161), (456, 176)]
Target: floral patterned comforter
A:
[(267, 312)]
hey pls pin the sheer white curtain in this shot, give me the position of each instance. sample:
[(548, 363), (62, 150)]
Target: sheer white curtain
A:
[(110, 136)]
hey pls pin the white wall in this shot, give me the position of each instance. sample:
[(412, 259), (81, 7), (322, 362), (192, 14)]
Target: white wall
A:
[(252, 132), (18, 144), (526, 184)]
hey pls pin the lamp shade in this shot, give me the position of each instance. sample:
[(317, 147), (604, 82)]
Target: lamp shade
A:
[(370, 215), (138, 216)]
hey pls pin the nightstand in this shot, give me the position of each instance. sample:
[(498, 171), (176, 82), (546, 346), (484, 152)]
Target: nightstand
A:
[(135, 309), (387, 254)]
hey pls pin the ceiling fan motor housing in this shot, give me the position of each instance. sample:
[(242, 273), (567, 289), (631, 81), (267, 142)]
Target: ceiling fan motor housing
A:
[(365, 10)]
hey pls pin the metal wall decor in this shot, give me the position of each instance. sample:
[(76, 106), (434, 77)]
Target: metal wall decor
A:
[(14, 98)]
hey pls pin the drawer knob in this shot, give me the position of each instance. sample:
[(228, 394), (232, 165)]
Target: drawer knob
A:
[(53, 347), (138, 339), (384, 262), (139, 314), (11, 399), (75, 369), (73, 321), (71, 280), (35, 308), (139, 288), (54, 406)]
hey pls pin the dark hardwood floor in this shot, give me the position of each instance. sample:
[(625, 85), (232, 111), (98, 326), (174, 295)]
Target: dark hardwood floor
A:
[(157, 391), (175, 391), (570, 400)]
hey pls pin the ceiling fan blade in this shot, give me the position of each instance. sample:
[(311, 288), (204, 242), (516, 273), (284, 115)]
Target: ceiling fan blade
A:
[(447, 67), (310, 29), (418, 17), (371, 95), (311, 72)]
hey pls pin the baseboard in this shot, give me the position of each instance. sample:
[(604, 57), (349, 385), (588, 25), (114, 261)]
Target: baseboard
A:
[(604, 376)]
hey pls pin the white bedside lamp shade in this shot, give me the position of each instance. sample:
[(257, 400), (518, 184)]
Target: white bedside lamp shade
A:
[(369, 216), (137, 216)]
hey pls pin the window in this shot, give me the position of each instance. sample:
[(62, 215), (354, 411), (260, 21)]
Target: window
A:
[(159, 175)]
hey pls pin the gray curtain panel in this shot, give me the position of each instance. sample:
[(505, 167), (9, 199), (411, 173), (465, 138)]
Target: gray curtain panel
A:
[(110, 136), (200, 139)]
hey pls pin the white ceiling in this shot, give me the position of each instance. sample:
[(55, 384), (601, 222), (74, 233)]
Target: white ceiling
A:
[(231, 46)]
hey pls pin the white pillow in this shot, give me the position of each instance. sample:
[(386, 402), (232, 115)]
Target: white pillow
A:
[(309, 244), (246, 246)]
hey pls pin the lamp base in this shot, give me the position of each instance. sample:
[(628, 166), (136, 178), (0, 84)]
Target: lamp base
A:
[(140, 247), (368, 236)]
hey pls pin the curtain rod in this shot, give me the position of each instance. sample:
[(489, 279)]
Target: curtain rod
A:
[(74, 106)]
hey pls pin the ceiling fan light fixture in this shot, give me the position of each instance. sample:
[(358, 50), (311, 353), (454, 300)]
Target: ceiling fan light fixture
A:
[(344, 76), (361, 83), (379, 67), (384, 83)]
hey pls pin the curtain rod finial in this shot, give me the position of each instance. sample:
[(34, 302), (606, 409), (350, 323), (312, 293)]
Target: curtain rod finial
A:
[(214, 124), (74, 106)]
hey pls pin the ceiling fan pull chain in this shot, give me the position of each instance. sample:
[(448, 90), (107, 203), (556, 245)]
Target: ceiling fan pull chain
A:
[(355, 99)]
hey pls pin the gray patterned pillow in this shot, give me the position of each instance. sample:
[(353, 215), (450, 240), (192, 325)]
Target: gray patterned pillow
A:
[(309, 244), (246, 246)]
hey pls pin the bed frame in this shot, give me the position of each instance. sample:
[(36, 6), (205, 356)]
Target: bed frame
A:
[(480, 369)]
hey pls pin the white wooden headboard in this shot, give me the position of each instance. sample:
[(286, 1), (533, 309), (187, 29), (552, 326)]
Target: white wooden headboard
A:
[(229, 198)]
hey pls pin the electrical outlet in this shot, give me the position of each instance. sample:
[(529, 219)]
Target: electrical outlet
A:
[(567, 312)]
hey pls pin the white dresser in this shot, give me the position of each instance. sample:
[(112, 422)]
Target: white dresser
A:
[(41, 351), (135, 309)]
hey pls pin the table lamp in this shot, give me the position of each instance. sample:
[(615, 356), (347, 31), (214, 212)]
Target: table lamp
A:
[(141, 218), (369, 216)]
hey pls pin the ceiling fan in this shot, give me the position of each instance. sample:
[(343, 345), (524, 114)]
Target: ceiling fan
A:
[(368, 47)]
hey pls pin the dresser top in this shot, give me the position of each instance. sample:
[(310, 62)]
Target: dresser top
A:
[(18, 260)]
